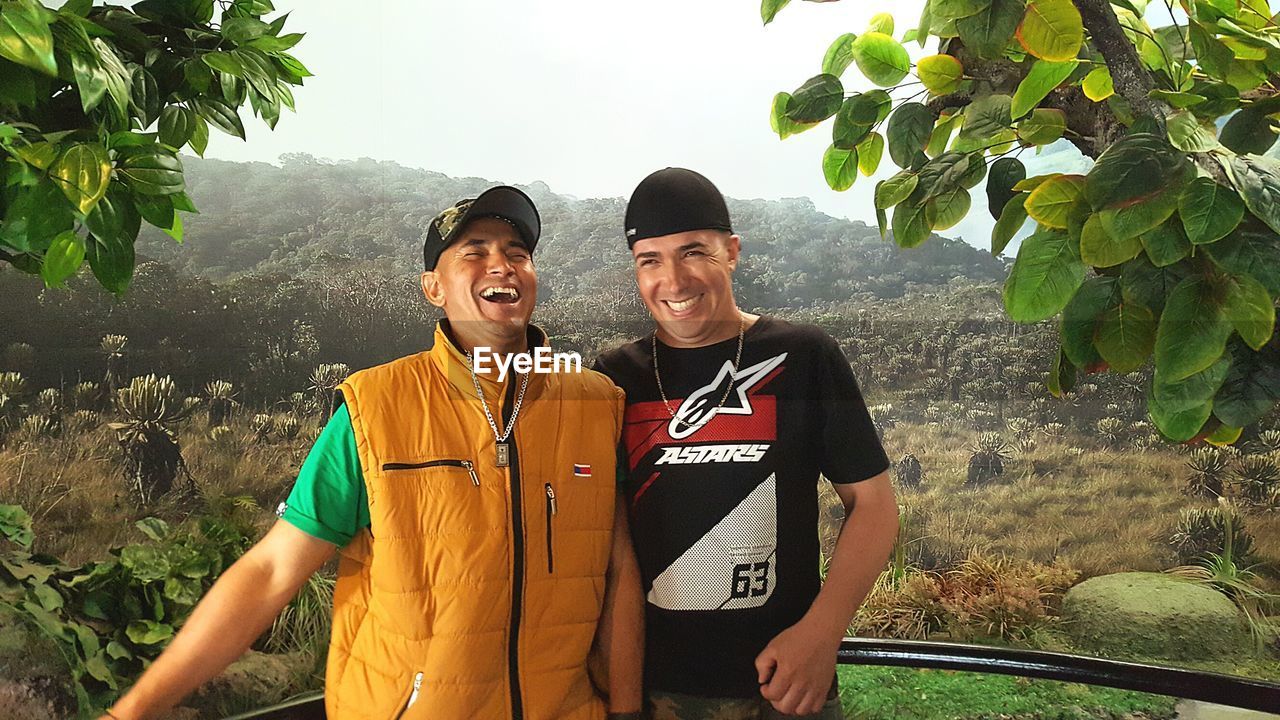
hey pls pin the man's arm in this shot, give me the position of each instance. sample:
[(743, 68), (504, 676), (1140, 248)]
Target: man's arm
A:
[(236, 610), (620, 634), (797, 666)]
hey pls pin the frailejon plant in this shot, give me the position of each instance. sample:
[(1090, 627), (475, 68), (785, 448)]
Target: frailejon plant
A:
[(150, 407), (96, 102), (1166, 251), (110, 619)]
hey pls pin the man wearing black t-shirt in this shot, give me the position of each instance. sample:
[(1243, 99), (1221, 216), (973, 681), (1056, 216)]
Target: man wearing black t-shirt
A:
[(730, 419)]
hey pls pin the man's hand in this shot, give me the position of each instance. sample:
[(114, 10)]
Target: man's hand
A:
[(797, 667)]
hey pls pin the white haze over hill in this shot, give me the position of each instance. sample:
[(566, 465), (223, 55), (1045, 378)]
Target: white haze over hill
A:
[(587, 96)]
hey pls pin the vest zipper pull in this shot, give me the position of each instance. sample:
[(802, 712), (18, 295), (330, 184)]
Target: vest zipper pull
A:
[(417, 686), (471, 468), (551, 499)]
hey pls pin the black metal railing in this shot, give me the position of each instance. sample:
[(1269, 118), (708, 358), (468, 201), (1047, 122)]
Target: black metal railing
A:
[(1230, 690)]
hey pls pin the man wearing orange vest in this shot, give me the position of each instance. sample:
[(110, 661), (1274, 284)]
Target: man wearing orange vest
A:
[(482, 550)]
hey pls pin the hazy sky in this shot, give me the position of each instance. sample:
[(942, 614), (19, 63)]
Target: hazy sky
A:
[(588, 96)]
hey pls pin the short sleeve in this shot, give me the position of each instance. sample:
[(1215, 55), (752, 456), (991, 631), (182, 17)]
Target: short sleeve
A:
[(851, 450), (329, 500)]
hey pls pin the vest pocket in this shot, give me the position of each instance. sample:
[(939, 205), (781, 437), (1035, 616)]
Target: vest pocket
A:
[(552, 509), (464, 464), (413, 696)]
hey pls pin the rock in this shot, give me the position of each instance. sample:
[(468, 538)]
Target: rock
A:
[(1153, 615)]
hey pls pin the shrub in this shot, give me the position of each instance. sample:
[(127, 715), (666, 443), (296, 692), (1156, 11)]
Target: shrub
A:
[(986, 463), (1202, 530)]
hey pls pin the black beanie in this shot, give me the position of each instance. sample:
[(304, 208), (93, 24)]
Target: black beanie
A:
[(674, 200)]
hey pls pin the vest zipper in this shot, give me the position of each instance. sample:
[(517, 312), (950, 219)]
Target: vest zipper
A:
[(470, 467), (552, 509), (413, 696), (517, 561)]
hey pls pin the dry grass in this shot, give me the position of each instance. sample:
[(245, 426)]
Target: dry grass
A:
[(74, 489), (1097, 510)]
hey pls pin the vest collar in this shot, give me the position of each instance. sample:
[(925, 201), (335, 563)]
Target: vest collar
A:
[(451, 362)]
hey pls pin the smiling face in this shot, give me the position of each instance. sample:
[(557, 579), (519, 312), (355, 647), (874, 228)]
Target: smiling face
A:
[(686, 281), (486, 284)]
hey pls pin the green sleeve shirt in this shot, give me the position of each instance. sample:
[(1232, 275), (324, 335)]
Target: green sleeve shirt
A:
[(328, 500)]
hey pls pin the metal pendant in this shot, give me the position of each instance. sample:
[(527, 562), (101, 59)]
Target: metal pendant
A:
[(504, 455)]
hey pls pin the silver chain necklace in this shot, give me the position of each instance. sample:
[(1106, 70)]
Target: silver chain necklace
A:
[(737, 359), (503, 447)]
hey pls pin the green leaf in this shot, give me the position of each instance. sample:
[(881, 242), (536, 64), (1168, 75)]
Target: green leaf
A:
[(1131, 170), (1209, 211), (39, 155), (940, 137), (955, 9), (1100, 249), (1249, 131), (1062, 375), (199, 135), (984, 119), (154, 528), (1004, 174), (224, 62), (840, 168), (1081, 316), (1043, 77), (220, 115), (778, 120), (1212, 55), (870, 150), (144, 96), (292, 67), (183, 203), (1044, 277), (896, 189), (940, 74), (1042, 127), (1252, 387), (1193, 331), (1247, 251), (25, 37), (1051, 30), (15, 525), (848, 130), (910, 223), (1178, 99), (37, 215), (1167, 244), (881, 59), (112, 261), (816, 100), (1145, 284), (1129, 221), (156, 209), (988, 31), (1178, 426), (1126, 336), (1258, 180), (62, 259), (945, 210), (147, 632), (176, 125), (83, 172), (1193, 391), (1011, 220), (881, 23), (241, 30), (769, 9), (839, 56), (909, 129), (48, 598), (1049, 203), (1187, 134), (1250, 310), (153, 173), (1097, 85)]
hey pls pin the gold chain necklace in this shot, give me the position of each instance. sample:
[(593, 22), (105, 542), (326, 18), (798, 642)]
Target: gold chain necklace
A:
[(737, 359)]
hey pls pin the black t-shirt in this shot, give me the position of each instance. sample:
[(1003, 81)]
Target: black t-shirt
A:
[(725, 514)]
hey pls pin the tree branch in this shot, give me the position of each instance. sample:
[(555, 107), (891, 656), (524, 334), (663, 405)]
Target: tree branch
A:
[(1130, 79)]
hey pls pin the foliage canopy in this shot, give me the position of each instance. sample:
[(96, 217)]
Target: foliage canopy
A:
[(96, 102), (1166, 250)]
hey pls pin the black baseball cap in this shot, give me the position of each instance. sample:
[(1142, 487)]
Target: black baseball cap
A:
[(503, 202), (674, 200)]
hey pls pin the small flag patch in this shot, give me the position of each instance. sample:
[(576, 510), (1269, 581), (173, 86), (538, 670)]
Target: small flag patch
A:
[(582, 470)]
